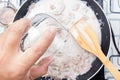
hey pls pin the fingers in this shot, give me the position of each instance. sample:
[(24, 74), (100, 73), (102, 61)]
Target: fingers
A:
[(14, 33), (32, 54), (41, 68)]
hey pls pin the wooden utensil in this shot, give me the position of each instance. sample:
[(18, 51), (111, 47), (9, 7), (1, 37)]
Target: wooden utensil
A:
[(86, 32)]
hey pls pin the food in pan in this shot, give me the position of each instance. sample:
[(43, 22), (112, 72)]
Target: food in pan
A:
[(70, 60)]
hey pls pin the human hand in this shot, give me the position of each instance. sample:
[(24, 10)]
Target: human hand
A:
[(18, 65)]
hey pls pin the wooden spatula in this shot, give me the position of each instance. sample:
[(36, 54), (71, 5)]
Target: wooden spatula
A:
[(80, 37)]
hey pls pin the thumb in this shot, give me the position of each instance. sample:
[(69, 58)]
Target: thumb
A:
[(41, 68)]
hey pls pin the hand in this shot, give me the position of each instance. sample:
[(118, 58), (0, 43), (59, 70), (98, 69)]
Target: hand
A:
[(18, 65)]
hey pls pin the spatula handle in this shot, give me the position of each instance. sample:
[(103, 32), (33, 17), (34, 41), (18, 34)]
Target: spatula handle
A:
[(113, 70), (100, 54)]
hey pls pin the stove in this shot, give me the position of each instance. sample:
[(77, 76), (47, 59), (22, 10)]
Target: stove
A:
[(112, 11)]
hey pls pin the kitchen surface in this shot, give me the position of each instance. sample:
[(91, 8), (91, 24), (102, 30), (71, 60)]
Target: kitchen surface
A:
[(112, 10)]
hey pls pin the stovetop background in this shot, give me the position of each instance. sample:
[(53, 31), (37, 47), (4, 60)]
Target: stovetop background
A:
[(112, 10)]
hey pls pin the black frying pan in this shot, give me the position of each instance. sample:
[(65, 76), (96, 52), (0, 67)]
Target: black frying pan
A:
[(105, 32)]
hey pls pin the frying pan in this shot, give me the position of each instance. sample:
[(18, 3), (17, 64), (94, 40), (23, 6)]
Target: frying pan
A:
[(105, 34)]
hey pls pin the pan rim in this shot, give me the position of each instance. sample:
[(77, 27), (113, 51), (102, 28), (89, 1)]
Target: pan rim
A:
[(101, 37)]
